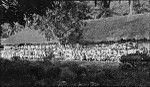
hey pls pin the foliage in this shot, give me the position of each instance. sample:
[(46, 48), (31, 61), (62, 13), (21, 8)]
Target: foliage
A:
[(68, 75), (8, 29), (64, 22), (134, 57), (14, 10), (104, 9), (61, 20), (58, 18)]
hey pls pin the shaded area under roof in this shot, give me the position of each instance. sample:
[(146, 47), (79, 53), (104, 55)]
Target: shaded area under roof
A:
[(116, 28), (26, 36)]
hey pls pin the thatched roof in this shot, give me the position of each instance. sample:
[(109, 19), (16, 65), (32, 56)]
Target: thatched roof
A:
[(115, 28), (26, 36)]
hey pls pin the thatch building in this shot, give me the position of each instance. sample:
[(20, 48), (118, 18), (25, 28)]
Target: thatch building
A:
[(117, 28), (27, 36)]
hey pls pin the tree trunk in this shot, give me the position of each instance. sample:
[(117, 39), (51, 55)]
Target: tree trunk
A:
[(131, 7)]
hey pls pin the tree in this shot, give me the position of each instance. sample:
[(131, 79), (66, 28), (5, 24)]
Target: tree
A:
[(67, 20), (61, 18), (62, 23), (134, 6), (14, 10), (131, 7), (8, 30), (104, 9)]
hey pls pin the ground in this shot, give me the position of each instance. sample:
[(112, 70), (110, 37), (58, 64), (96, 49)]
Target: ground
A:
[(74, 73)]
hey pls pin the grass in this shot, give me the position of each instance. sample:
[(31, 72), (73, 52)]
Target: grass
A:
[(74, 73), (28, 73)]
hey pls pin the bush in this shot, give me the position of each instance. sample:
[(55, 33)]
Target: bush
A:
[(145, 57), (125, 66), (81, 73), (109, 74), (131, 57), (67, 75), (53, 75), (104, 77), (37, 71), (135, 60), (53, 72)]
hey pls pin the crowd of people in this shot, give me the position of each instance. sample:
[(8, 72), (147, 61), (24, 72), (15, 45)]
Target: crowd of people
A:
[(98, 52)]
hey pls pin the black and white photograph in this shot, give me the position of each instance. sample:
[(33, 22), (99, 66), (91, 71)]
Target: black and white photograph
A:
[(74, 43)]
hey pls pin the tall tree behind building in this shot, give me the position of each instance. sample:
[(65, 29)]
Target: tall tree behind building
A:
[(131, 7)]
